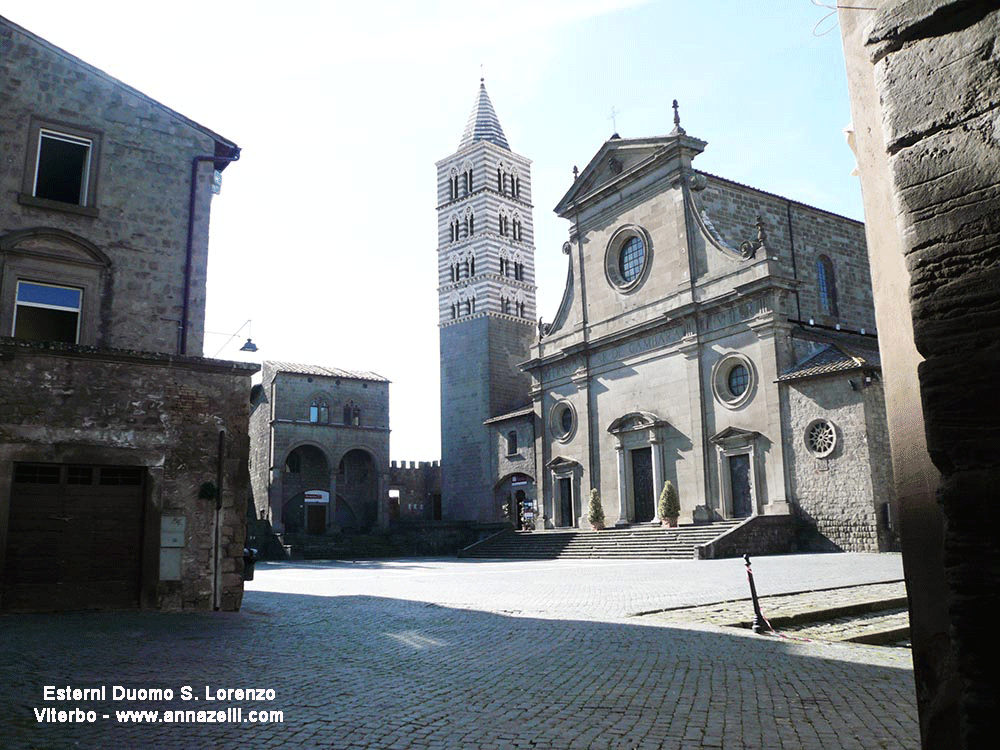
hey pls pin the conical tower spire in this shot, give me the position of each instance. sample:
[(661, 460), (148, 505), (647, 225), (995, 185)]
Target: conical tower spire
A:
[(483, 124)]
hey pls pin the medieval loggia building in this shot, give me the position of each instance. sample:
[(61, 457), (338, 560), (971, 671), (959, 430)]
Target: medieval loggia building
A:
[(711, 335)]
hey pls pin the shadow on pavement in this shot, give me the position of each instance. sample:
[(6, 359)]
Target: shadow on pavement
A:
[(367, 672)]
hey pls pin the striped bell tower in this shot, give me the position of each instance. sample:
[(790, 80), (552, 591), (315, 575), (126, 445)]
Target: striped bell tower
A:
[(486, 303)]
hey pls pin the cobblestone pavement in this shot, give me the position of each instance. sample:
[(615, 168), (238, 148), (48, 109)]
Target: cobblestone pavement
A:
[(471, 654)]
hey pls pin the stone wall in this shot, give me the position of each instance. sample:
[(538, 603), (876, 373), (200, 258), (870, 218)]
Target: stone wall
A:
[(142, 149), (419, 487), (934, 73), (837, 493), (164, 413)]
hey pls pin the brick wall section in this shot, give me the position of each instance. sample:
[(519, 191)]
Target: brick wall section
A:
[(145, 150), (64, 407)]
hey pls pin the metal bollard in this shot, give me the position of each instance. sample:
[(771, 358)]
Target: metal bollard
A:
[(759, 621)]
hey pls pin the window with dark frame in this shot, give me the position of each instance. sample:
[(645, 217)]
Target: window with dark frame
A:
[(512, 442), (631, 258)]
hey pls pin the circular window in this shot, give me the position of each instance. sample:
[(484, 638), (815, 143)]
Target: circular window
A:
[(739, 380), (627, 259), (631, 259), (562, 421), (821, 438), (733, 380)]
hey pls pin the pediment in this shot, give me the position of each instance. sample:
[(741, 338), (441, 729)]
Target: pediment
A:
[(562, 463), (54, 244), (732, 435), (619, 159), (636, 420)]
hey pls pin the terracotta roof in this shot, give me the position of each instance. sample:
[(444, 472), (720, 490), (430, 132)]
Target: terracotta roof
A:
[(830, 359), (328, 372), (483, 124), (523, 411)]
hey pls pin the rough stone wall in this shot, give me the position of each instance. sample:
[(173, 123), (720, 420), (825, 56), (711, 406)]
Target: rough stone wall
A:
[(798, 234), (835, 493), (144, 150), (417, 484), (935, 72), (169, 423), (523, 459), (260, 453)]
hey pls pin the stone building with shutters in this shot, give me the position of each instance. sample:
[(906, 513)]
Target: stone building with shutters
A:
[(123, 451), (710, 334), (319, 448)]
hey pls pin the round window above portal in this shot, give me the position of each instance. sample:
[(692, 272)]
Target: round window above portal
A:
[(628, 257), (734, 380), (562, 421)]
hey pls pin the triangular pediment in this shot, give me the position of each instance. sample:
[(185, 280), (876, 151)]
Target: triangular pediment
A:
[(733, 435), (620, 159)]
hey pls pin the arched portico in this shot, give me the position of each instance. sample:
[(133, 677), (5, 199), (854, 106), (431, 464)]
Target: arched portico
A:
[(515, 496)]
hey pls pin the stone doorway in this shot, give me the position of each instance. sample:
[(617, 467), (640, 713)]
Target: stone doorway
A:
[(315, 519), (565, 501), (642, 485), (739, 483)]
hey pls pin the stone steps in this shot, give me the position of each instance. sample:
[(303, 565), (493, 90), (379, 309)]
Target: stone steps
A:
[(627, 543)]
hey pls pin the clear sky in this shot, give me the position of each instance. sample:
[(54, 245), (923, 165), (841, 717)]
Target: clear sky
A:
[(325, 233)]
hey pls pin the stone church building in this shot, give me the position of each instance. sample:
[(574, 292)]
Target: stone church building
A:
[(710, 334)]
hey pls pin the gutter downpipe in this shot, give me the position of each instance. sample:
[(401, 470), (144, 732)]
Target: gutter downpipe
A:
[(189, 247)]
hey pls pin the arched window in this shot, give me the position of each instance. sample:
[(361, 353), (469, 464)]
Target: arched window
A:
[(827, 282), (500, 183), (453, 312), (512, 442), (503, 266), (319, 411), (518, 271), (453, 185), (468, 180)]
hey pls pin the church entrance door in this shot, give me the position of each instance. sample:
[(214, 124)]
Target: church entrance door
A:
[(565, 501), (739, 482), (642, 484)]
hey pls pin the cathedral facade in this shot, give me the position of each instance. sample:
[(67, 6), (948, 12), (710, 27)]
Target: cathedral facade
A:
[(710, 335)]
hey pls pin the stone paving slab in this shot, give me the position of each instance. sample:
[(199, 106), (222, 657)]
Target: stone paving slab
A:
[(457, 654)]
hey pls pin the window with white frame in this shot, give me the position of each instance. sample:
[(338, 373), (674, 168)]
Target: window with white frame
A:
[(46, 312)]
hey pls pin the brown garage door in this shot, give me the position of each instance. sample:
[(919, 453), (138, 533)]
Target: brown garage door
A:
[(74, 539)]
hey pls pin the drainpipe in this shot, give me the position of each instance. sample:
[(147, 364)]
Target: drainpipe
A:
[(217, 541), (189, 249)]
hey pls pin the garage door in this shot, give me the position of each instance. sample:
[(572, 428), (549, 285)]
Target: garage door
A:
[(74, 538)]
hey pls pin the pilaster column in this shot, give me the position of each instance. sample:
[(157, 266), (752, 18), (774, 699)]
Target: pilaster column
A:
[(654, 445), (622, 509)]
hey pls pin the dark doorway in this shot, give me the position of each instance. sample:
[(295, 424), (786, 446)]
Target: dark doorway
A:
[(74, 537), (315, 519), (739, 483), (642, 484), (566, 502), (519, 509)]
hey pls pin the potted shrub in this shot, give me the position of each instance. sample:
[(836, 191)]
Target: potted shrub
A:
[(670, 504), (595, 511)]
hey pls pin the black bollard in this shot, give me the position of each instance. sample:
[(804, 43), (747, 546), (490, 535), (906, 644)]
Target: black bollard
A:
[(759, 622)]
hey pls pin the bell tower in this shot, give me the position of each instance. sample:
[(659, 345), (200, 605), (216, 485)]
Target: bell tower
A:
[(486, 303)]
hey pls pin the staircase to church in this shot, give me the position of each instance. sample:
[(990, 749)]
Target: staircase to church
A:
[(631, 542)]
